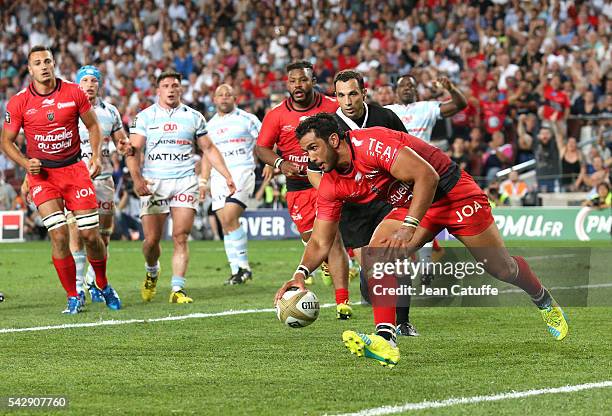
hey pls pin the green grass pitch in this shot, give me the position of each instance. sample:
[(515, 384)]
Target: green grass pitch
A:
[(250, 364)]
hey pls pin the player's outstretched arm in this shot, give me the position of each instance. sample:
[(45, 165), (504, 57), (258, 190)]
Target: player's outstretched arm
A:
[(317, 249), (409, 167), (211, 152), (132, 161), (95, 140), (457, 102)]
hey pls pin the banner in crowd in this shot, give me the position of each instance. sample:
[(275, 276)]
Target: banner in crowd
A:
[(269, 224), (551, 224), (531, 223)]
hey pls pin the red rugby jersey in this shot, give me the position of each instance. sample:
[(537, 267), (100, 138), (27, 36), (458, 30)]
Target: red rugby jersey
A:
[(50, 122), (278, 128), (373, 152)]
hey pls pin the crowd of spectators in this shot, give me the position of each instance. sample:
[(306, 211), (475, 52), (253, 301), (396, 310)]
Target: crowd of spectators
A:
[(537, 74)]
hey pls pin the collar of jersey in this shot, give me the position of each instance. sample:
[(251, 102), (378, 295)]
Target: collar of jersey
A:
[(349, 122), (99, 103), (234, 111), (58, 84), (318, 98), (171, 111)]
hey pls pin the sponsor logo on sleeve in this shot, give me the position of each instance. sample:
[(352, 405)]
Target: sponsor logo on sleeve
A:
[(7, 117)]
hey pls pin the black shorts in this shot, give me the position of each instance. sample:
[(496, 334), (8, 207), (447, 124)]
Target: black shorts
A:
[(359, 221)]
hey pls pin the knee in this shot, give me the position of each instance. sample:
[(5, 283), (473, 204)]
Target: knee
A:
[(180, 239), (150, 241), (90, 237), (60, 238), (228, 226)]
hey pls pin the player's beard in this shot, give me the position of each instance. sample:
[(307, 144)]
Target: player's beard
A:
[(306, 98), (409, 99), (331, 161)]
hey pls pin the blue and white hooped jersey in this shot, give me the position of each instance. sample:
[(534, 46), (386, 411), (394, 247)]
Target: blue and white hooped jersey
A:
[(235, 135), (419, 118), (171, 136), (110, 122)]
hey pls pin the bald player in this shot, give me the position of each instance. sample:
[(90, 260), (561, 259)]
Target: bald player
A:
[(234, 132)]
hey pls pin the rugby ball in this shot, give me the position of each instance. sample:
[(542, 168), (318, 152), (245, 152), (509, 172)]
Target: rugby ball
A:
[(298, 309)]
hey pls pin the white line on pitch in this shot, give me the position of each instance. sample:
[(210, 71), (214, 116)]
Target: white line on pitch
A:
[(200, 315), (389, 410), (113, 322)]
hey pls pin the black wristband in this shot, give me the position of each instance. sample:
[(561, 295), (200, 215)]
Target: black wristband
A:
[(303, 269)]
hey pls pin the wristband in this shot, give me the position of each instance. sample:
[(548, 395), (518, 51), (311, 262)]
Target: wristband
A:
[(203, 182), (410, 221), (278, 162), (302, 269)]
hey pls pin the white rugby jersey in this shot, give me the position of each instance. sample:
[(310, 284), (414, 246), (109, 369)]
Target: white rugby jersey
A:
[(110, 122), (171, 136), (235, 135), (419, 118)]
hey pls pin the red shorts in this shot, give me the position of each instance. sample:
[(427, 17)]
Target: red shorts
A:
[(70, 183), (465, 210), (302, 207)]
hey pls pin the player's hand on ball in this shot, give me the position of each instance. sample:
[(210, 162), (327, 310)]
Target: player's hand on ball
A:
[(34, 166), (141, 187), (297, 281), (94, 166)]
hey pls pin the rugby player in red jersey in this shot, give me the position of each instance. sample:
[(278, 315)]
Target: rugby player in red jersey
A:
[(48, 110), (429, 193), (278, 129)]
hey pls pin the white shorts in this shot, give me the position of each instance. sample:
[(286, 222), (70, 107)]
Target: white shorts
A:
[(245, 184), (105, 194), (168, 193)]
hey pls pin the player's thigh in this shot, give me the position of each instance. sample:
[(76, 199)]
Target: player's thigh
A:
[(389, 226), (105, 195), (153, 226), (51, 206), (182, 221), (230, 213), (305, 236), (106, 221), (488, 247)]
